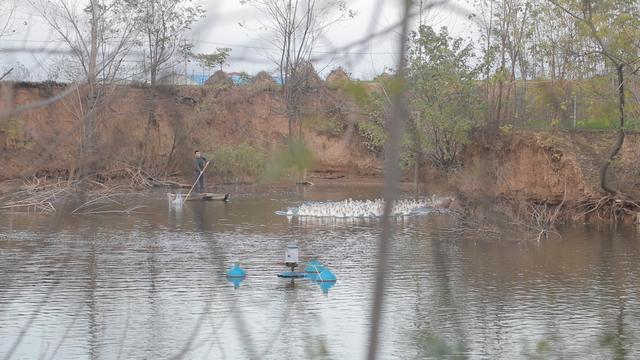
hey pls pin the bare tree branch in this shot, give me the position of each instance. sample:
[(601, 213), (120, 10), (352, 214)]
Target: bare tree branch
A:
[(392, 176)]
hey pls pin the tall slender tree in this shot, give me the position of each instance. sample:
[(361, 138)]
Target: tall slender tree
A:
[(613, 28), (162, 26), (99, 35), (443, 92), (296, 27)]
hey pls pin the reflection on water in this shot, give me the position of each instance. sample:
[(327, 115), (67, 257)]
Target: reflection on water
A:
[(236, 281), (154, 285)]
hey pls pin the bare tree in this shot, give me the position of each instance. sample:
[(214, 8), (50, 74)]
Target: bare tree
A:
[(162, 25), (613, 32), (100, 37), (296, 26), (213, 60), (7, 9)]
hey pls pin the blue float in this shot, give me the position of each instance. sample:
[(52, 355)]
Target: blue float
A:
[(314, 267), (326, 285), (236, 272), (312, 276), (326, 276), (236, 281)]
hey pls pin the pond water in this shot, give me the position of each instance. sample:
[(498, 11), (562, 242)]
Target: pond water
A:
[(153, 286)]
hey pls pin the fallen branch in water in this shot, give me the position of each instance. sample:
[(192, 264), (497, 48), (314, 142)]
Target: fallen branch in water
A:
[(607, 208), (127, 211), (38, 195), (169, 183), (467, 226)]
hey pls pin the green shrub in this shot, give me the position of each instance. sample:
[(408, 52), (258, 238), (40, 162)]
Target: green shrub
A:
[(596, 124), (238, 163), (373, 136), (506, 129), (289, 161), (356, 91), (331, 125), (12, 131)]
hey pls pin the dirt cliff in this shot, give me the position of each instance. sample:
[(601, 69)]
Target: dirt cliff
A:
[(526, 166), (549, 167), (45, 140)]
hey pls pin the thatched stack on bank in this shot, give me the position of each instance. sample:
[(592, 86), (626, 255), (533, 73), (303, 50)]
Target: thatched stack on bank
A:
[(337, 76), (219, 79), (309, 78), (263, 82)]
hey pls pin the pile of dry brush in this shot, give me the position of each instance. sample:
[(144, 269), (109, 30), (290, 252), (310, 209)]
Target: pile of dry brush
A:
[(99, 193)]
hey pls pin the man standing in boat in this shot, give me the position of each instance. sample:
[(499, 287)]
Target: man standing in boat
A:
[(200, 162)]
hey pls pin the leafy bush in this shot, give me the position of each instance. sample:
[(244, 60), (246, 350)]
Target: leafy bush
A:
[(13, 134), (596, 124), (290, 161), (331, 125), (506, 129), (442, 85), (243, 162), (373, 136), (354, 90)]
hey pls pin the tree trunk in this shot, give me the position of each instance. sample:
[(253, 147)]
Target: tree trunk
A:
[(290, 104), (604, 170), (416, 173), (88, 137), (498, 115)]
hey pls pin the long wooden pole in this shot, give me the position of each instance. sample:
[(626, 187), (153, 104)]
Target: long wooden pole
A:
[(194, 184)]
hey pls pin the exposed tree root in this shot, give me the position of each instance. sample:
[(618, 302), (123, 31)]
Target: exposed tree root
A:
[(609, 208)]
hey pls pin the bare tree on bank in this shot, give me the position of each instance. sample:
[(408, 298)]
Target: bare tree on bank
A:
[(613, 29), (8, 27), (297, 26), (7, 9), (161, 25), (100, 37)]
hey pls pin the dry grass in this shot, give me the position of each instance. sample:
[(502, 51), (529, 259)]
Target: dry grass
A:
[(100, 193)]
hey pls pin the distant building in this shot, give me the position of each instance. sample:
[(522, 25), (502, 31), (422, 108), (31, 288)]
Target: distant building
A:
[(176, 79), (238, 78), (199, 79)]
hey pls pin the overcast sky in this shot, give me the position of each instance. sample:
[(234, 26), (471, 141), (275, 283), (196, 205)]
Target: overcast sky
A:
[(251, 50)]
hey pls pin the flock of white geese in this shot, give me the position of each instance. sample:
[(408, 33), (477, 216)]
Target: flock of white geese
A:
[(349, 208), (362, 208)]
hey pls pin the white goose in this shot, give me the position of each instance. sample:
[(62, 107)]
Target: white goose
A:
[(175, 200)]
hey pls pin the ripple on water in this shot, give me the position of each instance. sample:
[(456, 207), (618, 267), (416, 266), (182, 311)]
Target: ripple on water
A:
[(153, 279)]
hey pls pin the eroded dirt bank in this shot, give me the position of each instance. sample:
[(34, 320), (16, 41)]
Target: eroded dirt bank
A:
[(549, 168), (45, 140), (527, 167)]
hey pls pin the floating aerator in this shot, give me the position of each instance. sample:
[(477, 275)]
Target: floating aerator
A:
[(292, 274), (326, 276), (326, 285), (314, 267), (236, 272)]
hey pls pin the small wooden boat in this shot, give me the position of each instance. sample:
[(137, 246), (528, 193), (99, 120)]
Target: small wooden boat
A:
[(209, 197)]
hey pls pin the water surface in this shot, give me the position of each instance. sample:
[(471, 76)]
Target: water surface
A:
[(152, 286)]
